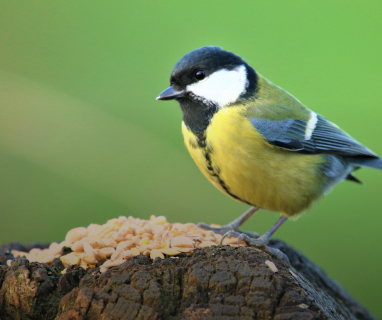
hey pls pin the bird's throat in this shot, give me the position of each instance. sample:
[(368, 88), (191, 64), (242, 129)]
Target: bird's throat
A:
[(197, 117)]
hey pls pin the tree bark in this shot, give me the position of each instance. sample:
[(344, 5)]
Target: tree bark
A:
[(220, 282)]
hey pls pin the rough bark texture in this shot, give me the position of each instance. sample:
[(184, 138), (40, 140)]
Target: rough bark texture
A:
[(219, 282)]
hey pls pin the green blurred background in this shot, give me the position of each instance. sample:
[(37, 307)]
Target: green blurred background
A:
[(83, 140)]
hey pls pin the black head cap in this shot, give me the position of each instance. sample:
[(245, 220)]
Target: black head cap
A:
[(208, 59)]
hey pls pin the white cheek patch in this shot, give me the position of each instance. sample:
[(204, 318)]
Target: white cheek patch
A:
[(222, 87)]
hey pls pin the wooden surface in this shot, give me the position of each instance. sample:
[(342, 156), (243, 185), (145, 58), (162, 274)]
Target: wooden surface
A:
[(219, 282)]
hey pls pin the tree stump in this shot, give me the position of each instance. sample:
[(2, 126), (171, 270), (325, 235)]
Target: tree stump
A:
[(219, 282)]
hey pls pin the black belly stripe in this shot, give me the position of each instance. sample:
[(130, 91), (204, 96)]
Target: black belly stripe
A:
[(213, 173)]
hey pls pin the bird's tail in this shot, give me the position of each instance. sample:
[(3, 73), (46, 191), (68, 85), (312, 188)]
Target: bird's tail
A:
[(370, 162)]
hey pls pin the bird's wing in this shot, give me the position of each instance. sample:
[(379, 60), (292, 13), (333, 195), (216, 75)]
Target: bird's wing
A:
[(312, 136)]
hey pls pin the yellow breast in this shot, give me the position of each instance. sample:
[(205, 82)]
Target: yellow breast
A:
[(238, 161)]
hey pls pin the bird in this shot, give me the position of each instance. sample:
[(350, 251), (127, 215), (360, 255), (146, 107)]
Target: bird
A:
[(257, 143)]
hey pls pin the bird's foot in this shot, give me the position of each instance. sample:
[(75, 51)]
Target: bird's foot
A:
[(226, 229), (260, 243), (233, 225)]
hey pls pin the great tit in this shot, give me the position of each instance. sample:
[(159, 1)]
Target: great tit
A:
[(257, 143)]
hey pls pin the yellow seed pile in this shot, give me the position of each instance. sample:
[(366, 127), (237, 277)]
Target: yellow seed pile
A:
[(120, 239)]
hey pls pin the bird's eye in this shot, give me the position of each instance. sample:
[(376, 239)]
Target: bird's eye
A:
[(200, 74)]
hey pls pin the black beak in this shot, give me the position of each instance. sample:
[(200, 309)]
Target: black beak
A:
[(170, 94)]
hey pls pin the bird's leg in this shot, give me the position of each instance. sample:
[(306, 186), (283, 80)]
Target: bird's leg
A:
[(233, 225), (259, 242), (262, 241)]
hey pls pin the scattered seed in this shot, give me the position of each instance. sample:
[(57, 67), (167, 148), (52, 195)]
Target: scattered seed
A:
[(169, 251), (88, 249), (118, 237), (125, 245), (186, 250), (155, 254), (153, 246), (78, 246), (34, 252), (116, 255), (204, 244), (183, 242), (48, 259), (70, 259), (122, 238), (95, 243), (135, 251), (230, 241), (144, 241), (142, 248), (108, 251), (127, 255), (271, 265), (88, 258), (109, 264), (109, 242), (75, 234), (147, 235), (99, 255), (55, 248)]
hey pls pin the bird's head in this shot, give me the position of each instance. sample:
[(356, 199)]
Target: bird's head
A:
[(210, 76)]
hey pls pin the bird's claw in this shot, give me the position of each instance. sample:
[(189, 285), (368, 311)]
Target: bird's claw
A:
[(206, 226), (219, 230), (230, 234), (240, 237), (260, 243), (225, 229)]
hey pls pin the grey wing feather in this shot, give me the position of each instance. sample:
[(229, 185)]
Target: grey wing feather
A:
[(283, 134), (328, 138), (325, 137)]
